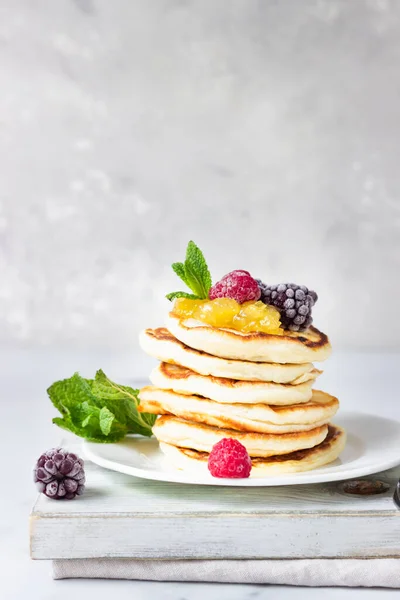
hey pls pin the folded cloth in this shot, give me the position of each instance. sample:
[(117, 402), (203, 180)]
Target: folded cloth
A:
[(370, 572)]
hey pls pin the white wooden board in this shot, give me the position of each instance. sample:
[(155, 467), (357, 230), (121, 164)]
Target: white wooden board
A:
[(121, 516)]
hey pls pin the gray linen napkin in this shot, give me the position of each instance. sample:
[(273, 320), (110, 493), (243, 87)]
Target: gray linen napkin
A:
[(374, 572)]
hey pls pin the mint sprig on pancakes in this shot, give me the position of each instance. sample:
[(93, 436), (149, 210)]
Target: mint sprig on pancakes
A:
[(194, 273)]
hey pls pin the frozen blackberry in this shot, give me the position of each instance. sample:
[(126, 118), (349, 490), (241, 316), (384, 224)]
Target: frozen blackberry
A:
[(60, 474), (294, 302)]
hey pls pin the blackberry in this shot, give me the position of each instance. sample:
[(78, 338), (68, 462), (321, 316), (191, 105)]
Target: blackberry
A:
[(294, 302), (59, 474)]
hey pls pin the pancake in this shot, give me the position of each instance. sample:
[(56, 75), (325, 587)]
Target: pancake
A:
[(259, 418), (197, 436), (221, 389), (295, 462), (293, 347), (164, 346)]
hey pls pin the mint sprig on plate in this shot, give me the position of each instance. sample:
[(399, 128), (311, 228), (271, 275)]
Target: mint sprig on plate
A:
[(195, 273), (98, 409)]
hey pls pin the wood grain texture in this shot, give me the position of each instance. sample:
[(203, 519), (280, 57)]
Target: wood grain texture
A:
[(121, 516)]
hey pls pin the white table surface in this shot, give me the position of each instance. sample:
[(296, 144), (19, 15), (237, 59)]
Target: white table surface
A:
[(363, 382)]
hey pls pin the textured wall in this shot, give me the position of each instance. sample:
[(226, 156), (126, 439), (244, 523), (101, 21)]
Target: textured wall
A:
[(266, 131)]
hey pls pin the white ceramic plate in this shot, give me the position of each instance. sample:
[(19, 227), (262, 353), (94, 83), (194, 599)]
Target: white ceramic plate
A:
[(373, 445)]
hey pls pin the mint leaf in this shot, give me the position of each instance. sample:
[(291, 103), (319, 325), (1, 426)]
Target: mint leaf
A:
[(90, 421), (98, 409), (73, 398), (194, 272), (174, 295), (194, 282), (123, 401), (179, 269), (66, 424), (196, 264), (106, 419)]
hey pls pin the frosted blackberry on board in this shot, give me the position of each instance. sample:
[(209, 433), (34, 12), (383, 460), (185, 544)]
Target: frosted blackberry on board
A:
[(60, 474)]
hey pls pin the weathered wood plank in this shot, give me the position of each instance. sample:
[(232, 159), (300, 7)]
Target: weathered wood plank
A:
[(120, 516), (216, 537)]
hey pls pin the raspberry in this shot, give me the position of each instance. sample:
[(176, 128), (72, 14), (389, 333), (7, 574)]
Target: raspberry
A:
[(59, 474), (238, 285), (229, 458), (295, 303)]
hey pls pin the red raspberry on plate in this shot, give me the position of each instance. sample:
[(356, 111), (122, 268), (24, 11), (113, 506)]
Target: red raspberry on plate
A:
[(229, 458), (238, 285)]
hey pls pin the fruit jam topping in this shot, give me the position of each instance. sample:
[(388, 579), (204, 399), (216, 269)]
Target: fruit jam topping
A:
[(227, 313)]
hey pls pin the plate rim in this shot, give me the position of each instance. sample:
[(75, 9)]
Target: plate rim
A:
[(302, 478)]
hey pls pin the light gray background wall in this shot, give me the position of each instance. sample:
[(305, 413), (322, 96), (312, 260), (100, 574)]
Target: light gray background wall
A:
[(267, 131)]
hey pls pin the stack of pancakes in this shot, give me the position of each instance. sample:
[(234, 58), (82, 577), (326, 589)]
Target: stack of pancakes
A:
[(254, 387)]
